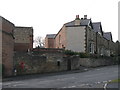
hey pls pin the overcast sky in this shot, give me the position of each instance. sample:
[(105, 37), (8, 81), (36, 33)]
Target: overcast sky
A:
[(48, 16)]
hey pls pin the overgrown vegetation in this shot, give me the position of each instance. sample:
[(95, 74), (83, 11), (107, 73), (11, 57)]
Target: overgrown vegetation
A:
[(86, 55), (115, 81), (70, 53)]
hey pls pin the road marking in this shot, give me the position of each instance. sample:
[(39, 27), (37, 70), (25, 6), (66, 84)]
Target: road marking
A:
[(104, 81), (64, 87), (97, 69), (82, 85), (71, 86), (105, 86), (85, 69), (97, 82)]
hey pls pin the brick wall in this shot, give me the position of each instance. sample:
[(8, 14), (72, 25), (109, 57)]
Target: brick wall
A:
[(60, 39), (49, 42), (7, 46)]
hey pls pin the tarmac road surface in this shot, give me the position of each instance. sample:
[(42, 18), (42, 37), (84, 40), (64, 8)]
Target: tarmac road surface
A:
[(94, 78)]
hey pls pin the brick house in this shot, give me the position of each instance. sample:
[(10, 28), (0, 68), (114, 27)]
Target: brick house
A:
[(50, 41), (83, 35), (6, 45), (23, 38)]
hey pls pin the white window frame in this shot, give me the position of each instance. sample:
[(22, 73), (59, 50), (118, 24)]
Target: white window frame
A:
[(92, 48)]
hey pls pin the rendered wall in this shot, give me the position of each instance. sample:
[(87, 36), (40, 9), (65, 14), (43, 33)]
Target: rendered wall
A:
[(75, 37)]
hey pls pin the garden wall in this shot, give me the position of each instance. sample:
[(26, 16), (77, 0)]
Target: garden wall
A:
[(38, 62), (93, 62)]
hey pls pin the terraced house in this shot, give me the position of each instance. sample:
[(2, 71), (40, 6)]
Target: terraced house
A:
[(83, 35)]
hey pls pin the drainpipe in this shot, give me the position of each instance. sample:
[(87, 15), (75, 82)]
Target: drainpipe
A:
[(96, 44)]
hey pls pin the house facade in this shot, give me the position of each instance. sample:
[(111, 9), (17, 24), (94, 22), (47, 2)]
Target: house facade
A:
[(83, 35), (23, 38), (50, 41)]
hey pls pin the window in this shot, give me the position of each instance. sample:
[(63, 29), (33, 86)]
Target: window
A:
[(102, 51), (91, 48), (59, 39)]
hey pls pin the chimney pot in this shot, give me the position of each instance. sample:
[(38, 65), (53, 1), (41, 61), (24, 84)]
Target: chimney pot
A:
[(77, 16), (85, 16)]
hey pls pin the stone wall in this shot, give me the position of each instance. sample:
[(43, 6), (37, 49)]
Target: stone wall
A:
[(54, 60), (39, 62), (74, 62), (93, 62), (23, 38)]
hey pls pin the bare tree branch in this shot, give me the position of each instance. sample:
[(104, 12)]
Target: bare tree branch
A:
[(39, 42)]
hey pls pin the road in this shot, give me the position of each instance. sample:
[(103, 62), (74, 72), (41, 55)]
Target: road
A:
[(94, 78)]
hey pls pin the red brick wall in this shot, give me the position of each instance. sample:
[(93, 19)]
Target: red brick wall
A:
[(51, 42), (60, 39), (21, 46)]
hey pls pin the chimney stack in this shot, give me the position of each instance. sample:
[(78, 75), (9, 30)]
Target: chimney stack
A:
[(85, 16), (77, 17), (77, 20)]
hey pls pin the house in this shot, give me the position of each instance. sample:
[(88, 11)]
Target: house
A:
[(6, 46), (23, 38), (83, 35), (50, 41)]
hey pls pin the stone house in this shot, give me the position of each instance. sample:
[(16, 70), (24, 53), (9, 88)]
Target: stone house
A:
[(6, 45), (83, 35), (23, 38)]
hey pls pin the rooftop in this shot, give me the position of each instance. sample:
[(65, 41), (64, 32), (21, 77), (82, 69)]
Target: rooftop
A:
[(50, 35)]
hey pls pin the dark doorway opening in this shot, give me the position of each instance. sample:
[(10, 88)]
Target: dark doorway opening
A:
[(68, 64)]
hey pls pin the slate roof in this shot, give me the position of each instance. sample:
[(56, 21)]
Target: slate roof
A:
[(50, 35), (83, 22), (107, 35), (96, 26)]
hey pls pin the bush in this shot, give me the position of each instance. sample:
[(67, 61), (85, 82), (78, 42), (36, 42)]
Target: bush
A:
[(83, 55), (69, 52)]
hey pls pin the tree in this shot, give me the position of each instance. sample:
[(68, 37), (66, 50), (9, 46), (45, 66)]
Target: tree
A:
[(39, 42)]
